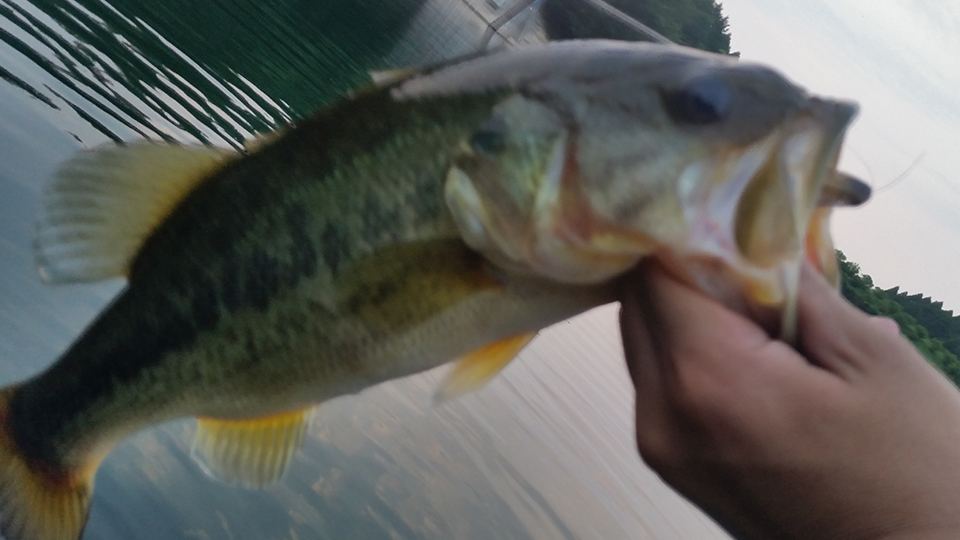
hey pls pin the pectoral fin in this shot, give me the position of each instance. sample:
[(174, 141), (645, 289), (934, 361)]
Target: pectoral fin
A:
[(250, 453), (477, 368)]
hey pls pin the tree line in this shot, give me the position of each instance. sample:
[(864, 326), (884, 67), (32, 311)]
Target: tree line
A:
[(935, 332)]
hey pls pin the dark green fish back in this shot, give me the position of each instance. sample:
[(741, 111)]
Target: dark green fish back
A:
[(358, 177)]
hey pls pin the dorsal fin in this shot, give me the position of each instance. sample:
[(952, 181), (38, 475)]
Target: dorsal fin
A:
[(103, 203), (264, 138)]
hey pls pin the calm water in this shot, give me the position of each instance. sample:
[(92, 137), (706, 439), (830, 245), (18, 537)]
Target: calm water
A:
[(543, 452)]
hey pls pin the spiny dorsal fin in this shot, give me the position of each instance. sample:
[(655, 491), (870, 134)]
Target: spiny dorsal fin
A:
[(102, 205), (477, 368), (264, 138), (386, 77), (251, 453)]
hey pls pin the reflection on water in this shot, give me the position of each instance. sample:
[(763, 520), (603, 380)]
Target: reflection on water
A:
[(543, 452), (116, 72), (122, 67)]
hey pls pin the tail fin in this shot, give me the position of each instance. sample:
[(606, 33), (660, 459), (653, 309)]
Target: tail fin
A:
[(37, 502)]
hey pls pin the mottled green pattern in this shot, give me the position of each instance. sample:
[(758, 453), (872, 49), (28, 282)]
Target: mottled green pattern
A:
[(235, 297)]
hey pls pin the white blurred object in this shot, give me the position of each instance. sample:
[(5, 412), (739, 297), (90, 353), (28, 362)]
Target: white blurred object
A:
[(444, 29)]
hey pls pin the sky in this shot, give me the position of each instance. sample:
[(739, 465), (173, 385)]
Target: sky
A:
[(900, 60)]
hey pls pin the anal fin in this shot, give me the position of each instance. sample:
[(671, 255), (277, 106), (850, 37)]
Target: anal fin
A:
[(477, 368), (251, 453)]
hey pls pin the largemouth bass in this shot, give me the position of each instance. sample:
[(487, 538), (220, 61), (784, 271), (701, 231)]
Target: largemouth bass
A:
[(446, 214)]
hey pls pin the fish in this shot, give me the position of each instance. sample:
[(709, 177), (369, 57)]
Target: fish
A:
[(446, 214)]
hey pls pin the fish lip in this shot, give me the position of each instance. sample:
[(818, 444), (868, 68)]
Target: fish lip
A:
[(831, 120), (834, 117), (838, 114), (807, 163)]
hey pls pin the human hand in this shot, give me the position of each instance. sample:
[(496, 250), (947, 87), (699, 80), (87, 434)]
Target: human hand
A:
[(858, 438)]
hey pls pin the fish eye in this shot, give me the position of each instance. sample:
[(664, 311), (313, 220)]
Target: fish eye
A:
[(700, 102), (490, 138)]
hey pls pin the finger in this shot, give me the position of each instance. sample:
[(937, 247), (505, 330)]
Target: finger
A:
[(656, 439), (638, 346), (702, 371), (888, 324), (837, 336), (693, 327), (725, 381), (715, 366)]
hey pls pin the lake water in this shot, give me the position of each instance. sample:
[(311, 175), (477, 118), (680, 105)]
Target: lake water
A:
[(545, 451)]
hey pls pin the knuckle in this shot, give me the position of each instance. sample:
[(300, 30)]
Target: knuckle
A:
[(658, 449)]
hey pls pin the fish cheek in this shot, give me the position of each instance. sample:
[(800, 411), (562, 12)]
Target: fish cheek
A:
[(508, 155), (466, 195), (493, 184)]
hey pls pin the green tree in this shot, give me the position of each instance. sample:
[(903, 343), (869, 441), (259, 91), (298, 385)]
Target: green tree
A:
[(921, 320)]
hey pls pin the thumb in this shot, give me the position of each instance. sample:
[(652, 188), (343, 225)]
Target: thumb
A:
[(834, 334)]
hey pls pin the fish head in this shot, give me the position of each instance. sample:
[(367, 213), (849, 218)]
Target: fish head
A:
[(603, 153)]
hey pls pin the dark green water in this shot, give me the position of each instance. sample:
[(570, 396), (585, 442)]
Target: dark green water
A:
[(545, 451)]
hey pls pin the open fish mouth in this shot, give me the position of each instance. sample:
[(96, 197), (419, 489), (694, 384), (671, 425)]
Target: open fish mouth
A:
[(774, 208), (770, 215)]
